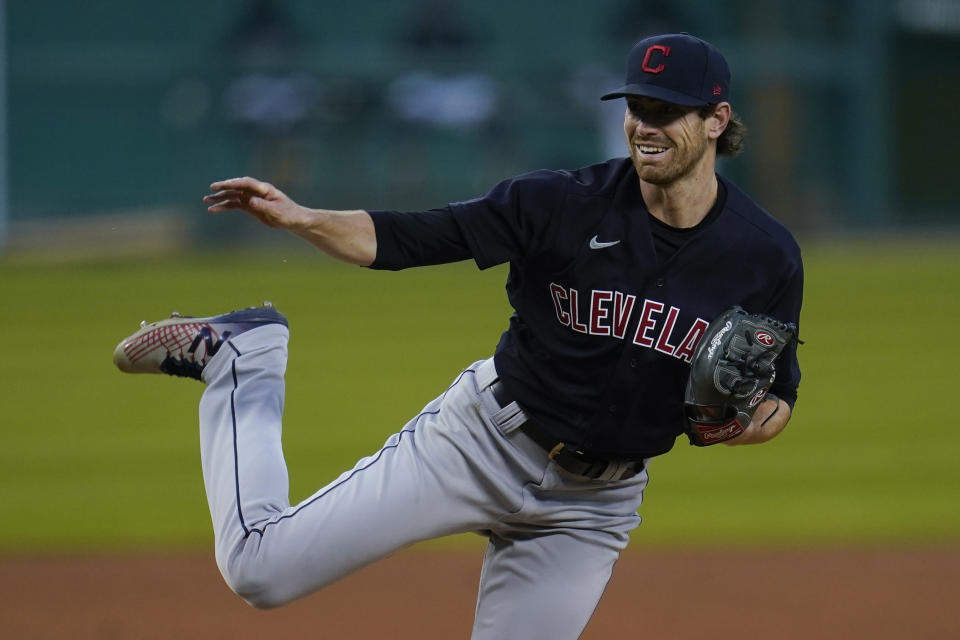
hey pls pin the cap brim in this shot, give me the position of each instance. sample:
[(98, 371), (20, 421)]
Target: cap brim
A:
[(653, 91)]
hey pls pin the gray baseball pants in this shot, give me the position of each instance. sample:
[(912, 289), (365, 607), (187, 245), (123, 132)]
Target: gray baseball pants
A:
[(459, 466)]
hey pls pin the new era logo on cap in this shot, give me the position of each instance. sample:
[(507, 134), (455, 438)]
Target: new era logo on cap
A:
[(676, 68)]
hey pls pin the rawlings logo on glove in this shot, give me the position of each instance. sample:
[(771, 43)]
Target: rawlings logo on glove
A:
[(731, 372)]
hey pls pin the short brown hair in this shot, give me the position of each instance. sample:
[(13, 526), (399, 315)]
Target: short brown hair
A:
[(730, 142)]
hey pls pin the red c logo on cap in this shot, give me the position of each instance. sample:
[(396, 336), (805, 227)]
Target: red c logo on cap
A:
[(665, 50)]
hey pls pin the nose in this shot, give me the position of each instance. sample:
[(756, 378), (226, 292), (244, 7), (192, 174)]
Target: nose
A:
[(646, 127), (639, 127)]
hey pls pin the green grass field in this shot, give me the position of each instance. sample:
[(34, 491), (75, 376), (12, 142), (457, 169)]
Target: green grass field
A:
[(94, 459)]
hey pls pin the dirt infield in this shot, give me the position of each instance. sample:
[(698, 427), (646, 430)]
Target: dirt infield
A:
[(429, 594)]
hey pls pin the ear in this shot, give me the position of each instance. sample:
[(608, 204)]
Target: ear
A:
[(716, 123)]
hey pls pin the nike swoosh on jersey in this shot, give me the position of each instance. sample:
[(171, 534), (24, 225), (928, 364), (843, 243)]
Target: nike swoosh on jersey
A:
[(596, 244)]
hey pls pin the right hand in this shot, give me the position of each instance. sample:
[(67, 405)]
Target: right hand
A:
[(346, 235), (260, 199)]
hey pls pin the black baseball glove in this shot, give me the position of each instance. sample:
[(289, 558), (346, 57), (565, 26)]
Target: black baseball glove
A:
[(731, 372)]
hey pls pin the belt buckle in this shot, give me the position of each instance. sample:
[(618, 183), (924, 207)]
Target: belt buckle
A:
[(558, 448), (600, 469)]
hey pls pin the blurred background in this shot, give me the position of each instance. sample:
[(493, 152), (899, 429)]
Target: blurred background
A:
[(118, 114)]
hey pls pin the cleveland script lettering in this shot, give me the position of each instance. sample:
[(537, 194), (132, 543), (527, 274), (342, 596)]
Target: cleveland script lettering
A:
[(608, 314)]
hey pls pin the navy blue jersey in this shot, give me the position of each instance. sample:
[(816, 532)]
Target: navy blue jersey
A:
[(599, 346)]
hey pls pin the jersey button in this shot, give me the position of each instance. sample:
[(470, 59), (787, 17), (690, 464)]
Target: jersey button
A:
[(660, 282), (634, 363), (612, 408)]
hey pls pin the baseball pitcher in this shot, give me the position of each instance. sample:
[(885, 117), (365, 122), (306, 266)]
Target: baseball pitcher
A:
[(652, 299)]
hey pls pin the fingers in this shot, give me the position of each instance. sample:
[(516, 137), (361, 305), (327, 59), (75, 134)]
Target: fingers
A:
[(245, 184), (226, 200), (231, 195), (238, 193), (226, 205)]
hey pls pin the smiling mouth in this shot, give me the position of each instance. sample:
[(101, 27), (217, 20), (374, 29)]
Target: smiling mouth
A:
[(650, 149)]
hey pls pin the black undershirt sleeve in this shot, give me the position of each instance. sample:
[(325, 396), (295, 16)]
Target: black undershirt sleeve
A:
[(417, 239)]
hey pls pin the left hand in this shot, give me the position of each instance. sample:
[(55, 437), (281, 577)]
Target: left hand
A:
[(770, 419)]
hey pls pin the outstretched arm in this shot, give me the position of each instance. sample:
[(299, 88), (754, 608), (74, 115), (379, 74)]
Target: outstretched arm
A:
[(345, 235)]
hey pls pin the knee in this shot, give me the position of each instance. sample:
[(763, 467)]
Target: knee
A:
[(256, 592), (253, 582), (258, 597)]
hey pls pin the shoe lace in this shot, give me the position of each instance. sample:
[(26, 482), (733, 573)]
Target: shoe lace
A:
[(181, 367)]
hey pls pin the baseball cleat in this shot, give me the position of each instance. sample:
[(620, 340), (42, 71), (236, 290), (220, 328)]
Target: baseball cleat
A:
[(183, 345)]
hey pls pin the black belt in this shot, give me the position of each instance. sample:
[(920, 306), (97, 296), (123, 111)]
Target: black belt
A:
[(574, 461)]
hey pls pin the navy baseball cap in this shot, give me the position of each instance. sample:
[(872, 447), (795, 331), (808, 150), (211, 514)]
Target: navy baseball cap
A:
[(676, 68)]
